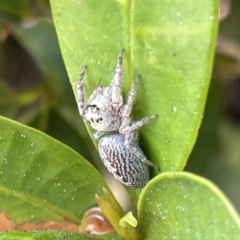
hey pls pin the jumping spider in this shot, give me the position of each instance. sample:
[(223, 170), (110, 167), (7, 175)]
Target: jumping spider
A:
[(106, 111)]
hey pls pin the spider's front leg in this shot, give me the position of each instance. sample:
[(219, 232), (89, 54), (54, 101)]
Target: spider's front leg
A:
[(116, 84), (129, 137), (96, 92), (80, 92)]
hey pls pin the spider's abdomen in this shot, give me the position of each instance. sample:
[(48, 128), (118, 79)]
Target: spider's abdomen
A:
[(121, 162)]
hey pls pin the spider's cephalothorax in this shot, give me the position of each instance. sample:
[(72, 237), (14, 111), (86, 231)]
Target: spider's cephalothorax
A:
[(105, 103), (101, 117), (106, 112)]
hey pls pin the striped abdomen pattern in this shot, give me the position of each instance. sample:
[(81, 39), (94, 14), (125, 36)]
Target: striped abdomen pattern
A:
[(121, 162)]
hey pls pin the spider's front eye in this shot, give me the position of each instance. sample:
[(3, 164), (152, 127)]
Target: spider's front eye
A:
[(100, 119)]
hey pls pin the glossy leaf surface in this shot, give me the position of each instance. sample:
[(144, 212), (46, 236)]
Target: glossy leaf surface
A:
[(41, 179), (185, 206), (170, 43)]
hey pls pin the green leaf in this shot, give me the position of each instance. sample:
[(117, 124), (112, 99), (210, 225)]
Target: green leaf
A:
[(7, 104), (69, 134), (44, 235), (14, 10), (57, 89), (170, 43), (41, 179), (128, 219), (40, 41), (185, 206), (205, 152)]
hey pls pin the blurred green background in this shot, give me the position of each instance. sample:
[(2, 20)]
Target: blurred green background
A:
[(35, 90)]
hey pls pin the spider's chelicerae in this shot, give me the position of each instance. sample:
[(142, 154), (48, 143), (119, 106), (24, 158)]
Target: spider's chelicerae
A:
[(106, 111)]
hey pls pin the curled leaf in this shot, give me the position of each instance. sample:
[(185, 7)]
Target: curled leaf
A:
[(94, 222), (128, 219)]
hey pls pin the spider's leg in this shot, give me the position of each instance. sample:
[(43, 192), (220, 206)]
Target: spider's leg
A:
[(80, 92), (97, 135), (137, 124), (128, 143), (107, 93), (97, 91), (116, 84), (127, 108)]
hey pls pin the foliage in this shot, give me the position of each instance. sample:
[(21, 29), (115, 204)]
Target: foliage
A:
[(171, 44)]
